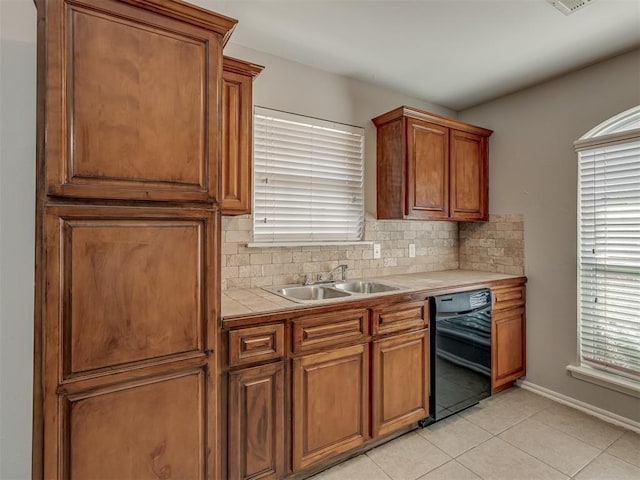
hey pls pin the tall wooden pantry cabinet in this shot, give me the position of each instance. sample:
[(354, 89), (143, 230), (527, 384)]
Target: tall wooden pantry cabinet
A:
[(127, 274)]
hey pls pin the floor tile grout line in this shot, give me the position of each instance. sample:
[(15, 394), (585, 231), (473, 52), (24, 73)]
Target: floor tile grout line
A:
[(542, 461), (450, 457), (622, 431), (620, 458), (501, 431), (436, 446), (548, 464), (590, 462), (447, 463), (519, 449), (476, 446), (578, 438), (562, 432), (475, 424), (415, 433)]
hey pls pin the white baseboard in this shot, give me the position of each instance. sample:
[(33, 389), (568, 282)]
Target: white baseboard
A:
[(587, 408)]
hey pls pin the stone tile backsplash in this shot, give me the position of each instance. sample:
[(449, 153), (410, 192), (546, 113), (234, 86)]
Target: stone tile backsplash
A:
[(242, 267), (494, 246)]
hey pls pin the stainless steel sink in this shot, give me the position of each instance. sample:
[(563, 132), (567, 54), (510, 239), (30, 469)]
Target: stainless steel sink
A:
[(362, 286), (310, 292), (331, 290)]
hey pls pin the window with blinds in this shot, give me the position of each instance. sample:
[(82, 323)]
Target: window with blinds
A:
[(609, 246), (308, 179)]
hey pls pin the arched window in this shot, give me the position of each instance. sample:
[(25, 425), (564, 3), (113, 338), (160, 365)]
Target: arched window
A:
[(609, 245)]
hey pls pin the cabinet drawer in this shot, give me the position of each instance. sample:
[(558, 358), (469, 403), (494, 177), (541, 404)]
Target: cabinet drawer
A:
[(403, 316), (318, 331), (508, 297), (255, 344)]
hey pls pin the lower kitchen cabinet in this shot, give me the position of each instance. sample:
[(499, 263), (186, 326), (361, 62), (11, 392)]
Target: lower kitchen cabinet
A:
[(330, 404), (305, 387), (508, 347), (400, 381), (508, 336), (256, 423)]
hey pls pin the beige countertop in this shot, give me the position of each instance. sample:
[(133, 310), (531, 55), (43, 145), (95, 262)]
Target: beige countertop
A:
[(255, 301)]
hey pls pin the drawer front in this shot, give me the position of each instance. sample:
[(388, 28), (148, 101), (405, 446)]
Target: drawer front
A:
[(508, 297), (310, 333), (254, 344), (399, 317)]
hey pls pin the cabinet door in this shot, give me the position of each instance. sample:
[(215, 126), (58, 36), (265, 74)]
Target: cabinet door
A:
[(129, 336), (330, 404), (469, 186), (508, 346), (256, 423), (400, 378), (132, 100), (427, 183), (237, 143)]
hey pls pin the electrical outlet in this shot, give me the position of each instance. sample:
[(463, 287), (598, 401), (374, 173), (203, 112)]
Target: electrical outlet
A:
[(412, 250), (376, 250)]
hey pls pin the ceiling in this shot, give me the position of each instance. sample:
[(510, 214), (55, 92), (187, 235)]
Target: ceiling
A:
[(455, 53)]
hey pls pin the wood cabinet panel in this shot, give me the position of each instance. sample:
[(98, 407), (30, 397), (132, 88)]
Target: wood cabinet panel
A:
[(399, 317), (256, 423), (400, 381), (469, 185), (237, 138), (131, 285), (330, 404), (141, 424), (508, 347), (314, 332), (427, 170), (391, 173), (132, 103), (256, 344), (130, 295)]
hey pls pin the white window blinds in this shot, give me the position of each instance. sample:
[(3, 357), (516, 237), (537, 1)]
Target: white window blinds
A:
[(308, 179), (609, 252)]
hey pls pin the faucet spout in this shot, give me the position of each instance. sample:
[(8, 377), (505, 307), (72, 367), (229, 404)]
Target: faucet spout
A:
[(322, 278), (343, 272)]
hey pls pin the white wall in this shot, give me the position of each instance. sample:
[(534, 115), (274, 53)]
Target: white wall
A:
[(533, 170), (17, 213), (296, 88)]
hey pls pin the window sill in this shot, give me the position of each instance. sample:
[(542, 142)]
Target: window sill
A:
[(606, 380), (307, 244)]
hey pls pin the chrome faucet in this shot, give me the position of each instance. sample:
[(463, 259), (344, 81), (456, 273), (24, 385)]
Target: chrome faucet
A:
[(320, 277), (343, 272)]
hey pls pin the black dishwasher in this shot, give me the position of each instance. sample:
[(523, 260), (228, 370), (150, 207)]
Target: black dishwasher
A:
[(460, 351)]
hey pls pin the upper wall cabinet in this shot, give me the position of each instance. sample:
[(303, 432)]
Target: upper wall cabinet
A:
[(237, 126), (133, 92), (431, 167)]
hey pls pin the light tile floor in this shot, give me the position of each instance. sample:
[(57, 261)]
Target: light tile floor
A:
[(515, 435)]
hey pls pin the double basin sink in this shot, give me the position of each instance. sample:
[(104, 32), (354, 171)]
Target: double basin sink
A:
[(333, 290)]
